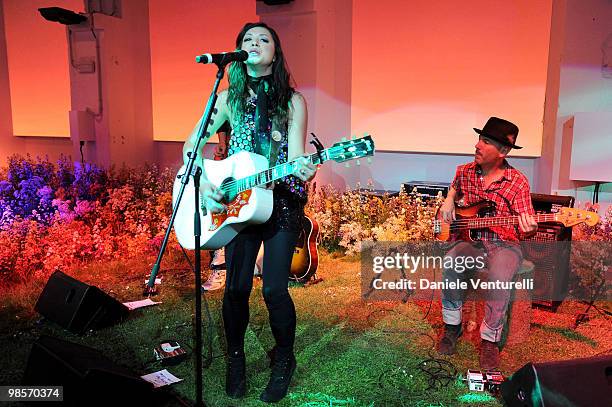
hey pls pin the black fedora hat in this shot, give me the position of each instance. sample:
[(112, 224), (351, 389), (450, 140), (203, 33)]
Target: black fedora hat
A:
[(499, 130)]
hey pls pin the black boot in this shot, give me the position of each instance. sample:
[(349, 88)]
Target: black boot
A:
[(282, 370), (489, 355), (272, 356), (448, 343), (235, 377)]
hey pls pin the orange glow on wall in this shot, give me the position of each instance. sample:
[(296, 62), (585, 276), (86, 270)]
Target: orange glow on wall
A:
[(425, 73), (37, 52), (179, 32)]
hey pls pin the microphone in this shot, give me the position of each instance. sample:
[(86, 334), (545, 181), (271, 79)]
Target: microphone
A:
[(223, 58)]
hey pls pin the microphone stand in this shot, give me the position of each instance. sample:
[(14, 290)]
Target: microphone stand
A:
[(150, 287)]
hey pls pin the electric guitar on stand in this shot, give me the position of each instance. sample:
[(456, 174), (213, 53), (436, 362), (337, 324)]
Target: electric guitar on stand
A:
[(243, 177)]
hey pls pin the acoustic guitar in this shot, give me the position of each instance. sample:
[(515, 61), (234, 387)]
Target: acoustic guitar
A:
[(243, 177), (306, 255)]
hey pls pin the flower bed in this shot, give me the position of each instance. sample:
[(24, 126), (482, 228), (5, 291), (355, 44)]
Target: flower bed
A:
[(349, 218), (56, 216)]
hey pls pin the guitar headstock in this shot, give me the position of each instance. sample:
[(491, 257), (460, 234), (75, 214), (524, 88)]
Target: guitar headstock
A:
[(571, 216), (351, 149)]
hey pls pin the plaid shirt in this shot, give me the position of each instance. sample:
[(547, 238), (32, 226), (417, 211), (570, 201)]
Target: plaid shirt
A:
[(510, 194)]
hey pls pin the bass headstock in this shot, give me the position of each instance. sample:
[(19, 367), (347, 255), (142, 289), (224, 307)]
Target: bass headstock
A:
[(572, 216)]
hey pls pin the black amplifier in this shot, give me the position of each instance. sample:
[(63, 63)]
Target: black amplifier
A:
[(379, 193), (426, 189), (552, 262)]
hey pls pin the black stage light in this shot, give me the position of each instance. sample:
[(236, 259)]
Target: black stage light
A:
[(61, 15), (276, 2)]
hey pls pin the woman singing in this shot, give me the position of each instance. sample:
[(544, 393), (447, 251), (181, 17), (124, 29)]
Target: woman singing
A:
[(268, 117)]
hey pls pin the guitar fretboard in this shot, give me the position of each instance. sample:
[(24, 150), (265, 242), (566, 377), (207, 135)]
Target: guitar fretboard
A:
[(479, 223), (339, 152), (274, 173)]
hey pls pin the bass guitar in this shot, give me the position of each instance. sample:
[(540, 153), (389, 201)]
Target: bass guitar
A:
[(243, 177), (469, 218)]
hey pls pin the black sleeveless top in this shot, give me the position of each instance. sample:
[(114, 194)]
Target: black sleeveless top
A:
[(289, 192)]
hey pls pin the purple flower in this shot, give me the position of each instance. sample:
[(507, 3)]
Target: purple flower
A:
[(6, 188), (45, 193), (26, 196)]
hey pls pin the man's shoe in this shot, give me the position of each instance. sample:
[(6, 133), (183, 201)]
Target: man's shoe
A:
[(448, 342), (235, 377), (282, 372), (215, 281), (218, 259), (257, 271), (489, 355)]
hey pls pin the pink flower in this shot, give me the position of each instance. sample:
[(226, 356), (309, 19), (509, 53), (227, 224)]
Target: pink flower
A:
[(82, 208)]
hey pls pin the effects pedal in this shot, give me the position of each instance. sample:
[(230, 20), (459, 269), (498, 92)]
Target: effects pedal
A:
[(169, 353)]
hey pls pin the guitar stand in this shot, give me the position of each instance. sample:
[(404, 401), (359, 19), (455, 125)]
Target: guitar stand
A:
[(313, 280), (584, 316), (406, 296)]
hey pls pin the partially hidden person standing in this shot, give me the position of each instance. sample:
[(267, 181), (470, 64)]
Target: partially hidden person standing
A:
[(268, 117), (216, 279)]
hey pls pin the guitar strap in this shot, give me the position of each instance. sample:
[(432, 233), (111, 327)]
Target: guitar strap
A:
[(262, 138), (274, 145), (268, 146), (276, 138), (266, 143)]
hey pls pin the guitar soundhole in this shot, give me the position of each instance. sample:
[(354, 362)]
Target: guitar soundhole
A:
[(230, 190)]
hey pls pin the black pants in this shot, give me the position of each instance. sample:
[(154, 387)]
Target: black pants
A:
[(240, 256)]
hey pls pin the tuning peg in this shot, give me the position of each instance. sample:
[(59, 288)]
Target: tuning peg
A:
[(344, 139), (357, 163), (347, 165), (369, 160), (353, 137)]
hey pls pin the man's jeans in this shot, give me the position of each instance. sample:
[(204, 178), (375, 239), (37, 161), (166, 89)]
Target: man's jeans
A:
[(503, 261)]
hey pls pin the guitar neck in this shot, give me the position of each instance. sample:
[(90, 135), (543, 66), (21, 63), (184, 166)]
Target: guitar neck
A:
[(278, 172), (479, 223)]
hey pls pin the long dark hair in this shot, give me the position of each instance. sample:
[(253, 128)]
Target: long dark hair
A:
[(281, 87)]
